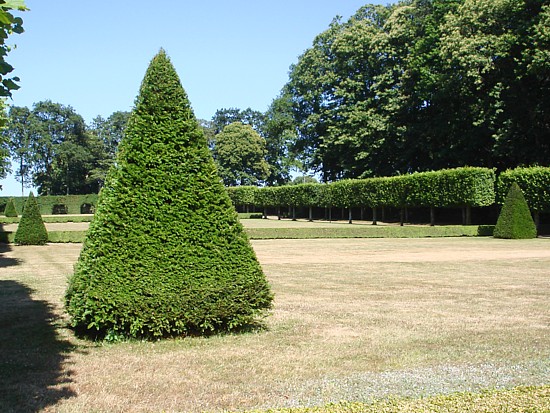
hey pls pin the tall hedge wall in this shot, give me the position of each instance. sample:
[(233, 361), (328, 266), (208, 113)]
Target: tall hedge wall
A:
[(446, 188), (56, 204), (461, 187), (534, 183)]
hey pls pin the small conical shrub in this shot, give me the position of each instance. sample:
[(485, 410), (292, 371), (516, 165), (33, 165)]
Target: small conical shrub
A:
[(515, 220), (165, 254), (31, 229), (10, 210)]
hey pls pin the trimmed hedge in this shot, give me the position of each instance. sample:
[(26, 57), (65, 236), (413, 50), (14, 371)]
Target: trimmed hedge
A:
[(49, 204), (10, 210), (31, 229), (165, 254), (461, 187), (534, 183), (515, 221)]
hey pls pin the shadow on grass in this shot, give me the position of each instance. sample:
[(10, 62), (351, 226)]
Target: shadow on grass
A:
[(7, 261), (32, 356)]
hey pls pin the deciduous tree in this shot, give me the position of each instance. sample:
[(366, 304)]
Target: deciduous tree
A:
[(240, 155)]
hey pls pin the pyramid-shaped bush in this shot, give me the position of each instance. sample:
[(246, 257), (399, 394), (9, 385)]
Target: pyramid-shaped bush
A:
[(515, 220), (10, 210), (165, 254), (31, 229)]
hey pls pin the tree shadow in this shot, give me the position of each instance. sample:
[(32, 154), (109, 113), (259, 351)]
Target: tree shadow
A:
[(32, 356), (7, 261)]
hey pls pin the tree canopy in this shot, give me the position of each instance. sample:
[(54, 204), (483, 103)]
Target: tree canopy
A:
[(239, 153), (425, 84)]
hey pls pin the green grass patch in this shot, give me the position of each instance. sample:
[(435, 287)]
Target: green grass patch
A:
[(66, 236), (52, 219), (365, 231), (313, 232), (250, 215), (520, 399)]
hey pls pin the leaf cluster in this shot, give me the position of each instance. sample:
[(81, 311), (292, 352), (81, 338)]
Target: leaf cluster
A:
[(9, 24)]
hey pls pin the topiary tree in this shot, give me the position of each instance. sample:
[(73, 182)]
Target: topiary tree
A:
[(10, 210), (165, 254), (31, 229), (515, 220)]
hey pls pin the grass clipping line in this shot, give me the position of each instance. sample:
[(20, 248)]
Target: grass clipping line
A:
[(520, 399)]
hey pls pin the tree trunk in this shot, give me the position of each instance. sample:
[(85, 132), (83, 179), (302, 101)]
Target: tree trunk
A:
[(310, 214), (401, 216), (432, 216), (374, 217), (350, 218)]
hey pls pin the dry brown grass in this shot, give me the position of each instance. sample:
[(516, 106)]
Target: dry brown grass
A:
[(353, 319)]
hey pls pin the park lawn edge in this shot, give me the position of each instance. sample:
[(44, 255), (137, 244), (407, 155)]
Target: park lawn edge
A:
[(315, 233), (531, 399)]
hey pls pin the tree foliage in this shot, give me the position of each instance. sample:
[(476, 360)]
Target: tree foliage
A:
[(165, 254), (425, 85), (239, 153), (275, 126), (9, 24), (54, 149)]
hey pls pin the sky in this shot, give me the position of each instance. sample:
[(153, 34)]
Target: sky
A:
[(92, 55)]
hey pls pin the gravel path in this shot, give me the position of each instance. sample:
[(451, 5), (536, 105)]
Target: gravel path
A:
[(420, 382)]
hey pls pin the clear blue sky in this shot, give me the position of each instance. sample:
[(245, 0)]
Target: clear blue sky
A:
[(92, 55)]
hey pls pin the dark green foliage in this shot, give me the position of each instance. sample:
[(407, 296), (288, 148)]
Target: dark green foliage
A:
[(31, 229), (10, 210), (515, 221), (165, 254)]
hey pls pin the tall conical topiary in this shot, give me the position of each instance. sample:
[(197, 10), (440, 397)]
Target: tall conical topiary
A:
[(515, 220), (31, 229), (165, 254), (10, 210)]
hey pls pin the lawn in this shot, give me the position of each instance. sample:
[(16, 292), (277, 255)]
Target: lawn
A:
[(354, 319), (73, 229)]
